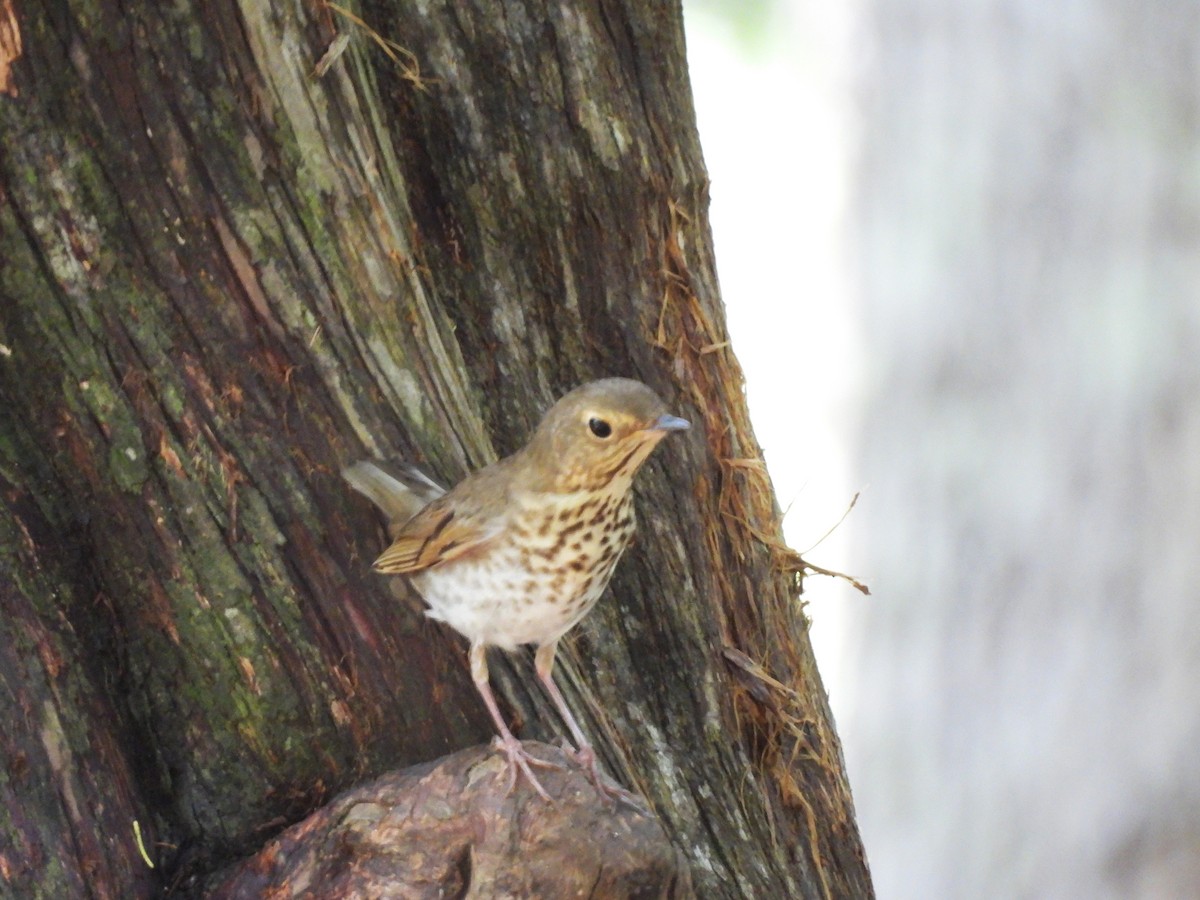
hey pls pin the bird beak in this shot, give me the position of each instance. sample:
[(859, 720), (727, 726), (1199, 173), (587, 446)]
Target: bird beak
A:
[(670, 423)]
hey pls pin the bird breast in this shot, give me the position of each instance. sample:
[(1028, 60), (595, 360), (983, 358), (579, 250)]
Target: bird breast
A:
[(540, 576)]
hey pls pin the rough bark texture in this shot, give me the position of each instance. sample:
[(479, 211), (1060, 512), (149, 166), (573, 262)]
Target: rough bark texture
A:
[(225, 277), (67, 777), (454, 830)]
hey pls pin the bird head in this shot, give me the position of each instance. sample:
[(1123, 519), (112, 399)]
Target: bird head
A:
[(600, 434)]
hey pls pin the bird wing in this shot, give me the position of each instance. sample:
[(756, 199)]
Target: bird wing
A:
[(435, 535)]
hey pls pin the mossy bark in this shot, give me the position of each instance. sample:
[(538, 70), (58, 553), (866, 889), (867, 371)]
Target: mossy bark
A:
[(226, 274)]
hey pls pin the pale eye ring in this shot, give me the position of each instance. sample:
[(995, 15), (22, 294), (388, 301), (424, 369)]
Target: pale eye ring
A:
[(599, 428)]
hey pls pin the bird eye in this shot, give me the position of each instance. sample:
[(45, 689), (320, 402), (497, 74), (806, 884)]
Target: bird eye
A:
[(600, 428)]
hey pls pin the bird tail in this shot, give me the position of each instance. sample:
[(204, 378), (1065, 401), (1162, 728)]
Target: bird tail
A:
[(399, 500)]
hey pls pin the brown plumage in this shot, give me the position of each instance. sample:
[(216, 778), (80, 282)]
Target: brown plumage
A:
[(519, 551)]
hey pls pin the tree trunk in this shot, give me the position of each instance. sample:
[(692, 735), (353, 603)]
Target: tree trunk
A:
[(234, 260)]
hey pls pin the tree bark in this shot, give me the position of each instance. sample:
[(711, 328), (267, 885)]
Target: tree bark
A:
[(235, 260)]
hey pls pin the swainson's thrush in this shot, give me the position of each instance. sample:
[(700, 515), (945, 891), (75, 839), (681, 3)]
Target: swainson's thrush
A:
[(519, 551)]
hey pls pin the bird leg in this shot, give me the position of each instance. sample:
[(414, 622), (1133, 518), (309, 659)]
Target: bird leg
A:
[(518, 756), (586, 755)]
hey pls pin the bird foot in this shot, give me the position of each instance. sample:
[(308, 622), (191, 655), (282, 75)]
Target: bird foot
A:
[(522, 759), (586, 757)]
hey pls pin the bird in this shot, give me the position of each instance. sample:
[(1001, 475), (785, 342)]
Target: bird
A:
[(518, 552)]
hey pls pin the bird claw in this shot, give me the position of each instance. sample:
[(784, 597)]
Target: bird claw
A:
[(586, 757), (522, 759)]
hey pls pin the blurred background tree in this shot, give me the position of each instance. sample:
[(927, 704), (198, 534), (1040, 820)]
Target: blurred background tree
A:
[(1013, 196)]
